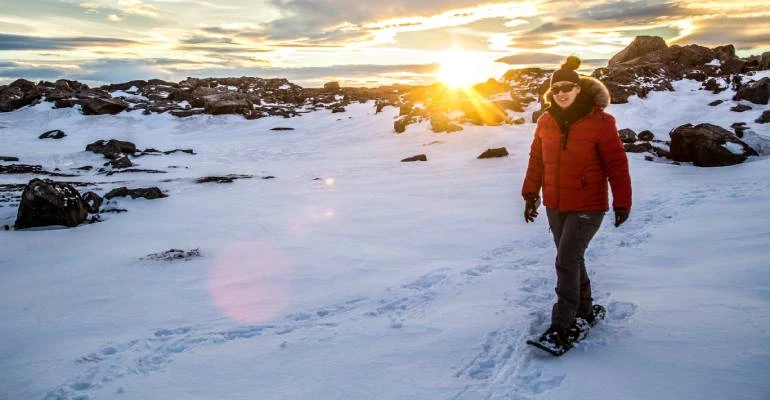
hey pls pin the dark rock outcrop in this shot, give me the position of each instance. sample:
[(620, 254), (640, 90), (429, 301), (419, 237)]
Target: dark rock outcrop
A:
[(764, 118), (419, 157), (18, 94), (150, 193), (100, 106), (494, 153), (646, 136), (222, 179), (627, 135), (45, 203), (708, 145), (11, 159), (757, 92), (112, 149), (54, 134)]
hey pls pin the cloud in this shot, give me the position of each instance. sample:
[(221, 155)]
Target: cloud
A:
[(206, 39), (114, 18), (21, 42), (632, 11), (531, 58)]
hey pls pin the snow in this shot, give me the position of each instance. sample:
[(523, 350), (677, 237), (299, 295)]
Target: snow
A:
[(130, 94), (734, 148), (382, 280), (714, 63), (285, 86)]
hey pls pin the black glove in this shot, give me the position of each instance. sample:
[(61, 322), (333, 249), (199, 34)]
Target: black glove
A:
[(621, 215), (530, 208)]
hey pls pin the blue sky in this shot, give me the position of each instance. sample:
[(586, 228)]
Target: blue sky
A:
[(357, 42)]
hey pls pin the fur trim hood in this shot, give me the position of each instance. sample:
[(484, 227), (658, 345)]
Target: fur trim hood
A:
[(592, 87)]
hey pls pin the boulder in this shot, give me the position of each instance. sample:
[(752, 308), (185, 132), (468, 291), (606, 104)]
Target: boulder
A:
[(54, 134), (45, 203), (332, 86), (226, 104), (494, 153), (10, 159), (740, 108), (716, 103), (419, 157), (147, 193), (707, 145), (100, 106), (637, 147), (18, 94), (757, 92), (640, 46), (764, 118), (646, 136), (112, 148), (400, 124), (627, 135), (92, 202)]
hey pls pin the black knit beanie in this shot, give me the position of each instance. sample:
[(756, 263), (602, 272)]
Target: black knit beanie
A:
[(567, 71)]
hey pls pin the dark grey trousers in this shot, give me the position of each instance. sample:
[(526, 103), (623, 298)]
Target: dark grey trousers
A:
[(572, 232)]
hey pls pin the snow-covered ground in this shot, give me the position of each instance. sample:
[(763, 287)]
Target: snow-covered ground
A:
[(380, 280)]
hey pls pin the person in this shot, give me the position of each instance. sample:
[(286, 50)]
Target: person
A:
[(575, 152)]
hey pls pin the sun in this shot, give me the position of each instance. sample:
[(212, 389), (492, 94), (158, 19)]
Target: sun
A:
[(458, 69)]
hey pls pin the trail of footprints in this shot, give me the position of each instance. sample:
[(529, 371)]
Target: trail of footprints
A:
[(503, 368)]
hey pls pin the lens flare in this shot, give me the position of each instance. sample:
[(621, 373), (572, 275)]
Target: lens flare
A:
[(250, 282)]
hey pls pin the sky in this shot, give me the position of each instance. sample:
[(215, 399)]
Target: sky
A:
[(355, 42)]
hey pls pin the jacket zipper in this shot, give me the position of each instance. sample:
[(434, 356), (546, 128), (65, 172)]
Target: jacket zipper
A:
[(563, 140)]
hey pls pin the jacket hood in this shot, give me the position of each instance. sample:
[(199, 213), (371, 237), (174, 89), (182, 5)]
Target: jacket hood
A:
[(593, 89)]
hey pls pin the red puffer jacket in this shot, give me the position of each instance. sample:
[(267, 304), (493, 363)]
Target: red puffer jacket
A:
[(575, 178)]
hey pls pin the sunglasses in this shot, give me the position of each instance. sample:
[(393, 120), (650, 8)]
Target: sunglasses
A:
[(566, 88)]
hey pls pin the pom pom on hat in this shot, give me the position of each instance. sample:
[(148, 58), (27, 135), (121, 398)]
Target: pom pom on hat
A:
[(567, 71), (572, 63)]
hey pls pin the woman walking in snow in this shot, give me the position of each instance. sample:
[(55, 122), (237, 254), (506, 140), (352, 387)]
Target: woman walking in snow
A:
[(576, 151)]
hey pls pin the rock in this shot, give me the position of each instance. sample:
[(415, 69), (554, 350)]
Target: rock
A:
[(281, 128), (757, 92), (739, 128), (713, 86), (764, 62), (400, 124), (338, 109), (627, 135), (173, 255), (121, 162), (740, 108), (420, 157), (646, 136), (226, 104), (716, 103), (764, 118), (112, 148), (21, 169), (332, 86), (519, 121), (54, 134), (10, 159), (640, 46), (188, 151), (18, 94), (101, 106), (45, 203), (494, 153), (92, 202), (186, 113), (131, 170), (222, 179), (637, 147), (150, 193), (708, 145)]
